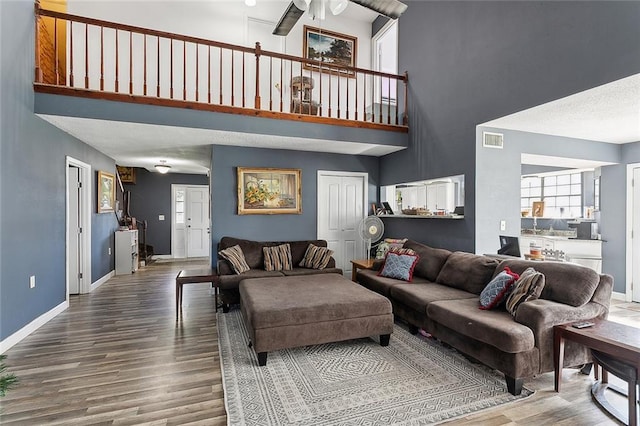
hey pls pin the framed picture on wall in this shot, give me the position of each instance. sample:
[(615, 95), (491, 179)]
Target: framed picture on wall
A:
[(537, 209), (127, 174), (106, 192), (269, 191), (330, 48)]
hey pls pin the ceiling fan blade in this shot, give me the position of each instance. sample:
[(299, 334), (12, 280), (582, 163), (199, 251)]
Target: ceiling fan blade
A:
[(391, 8), (288, 20)]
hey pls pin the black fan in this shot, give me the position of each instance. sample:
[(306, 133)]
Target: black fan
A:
[(391, 8)]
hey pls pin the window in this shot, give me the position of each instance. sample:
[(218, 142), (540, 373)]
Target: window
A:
[(562, 194)]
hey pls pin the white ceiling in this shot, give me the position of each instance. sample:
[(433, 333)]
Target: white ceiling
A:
[(561, 162), (608, 113)]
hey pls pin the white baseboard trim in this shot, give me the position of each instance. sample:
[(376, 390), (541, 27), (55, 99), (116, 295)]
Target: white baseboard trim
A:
[(619, 296), (16, 337), (101, 281), (161, 256)]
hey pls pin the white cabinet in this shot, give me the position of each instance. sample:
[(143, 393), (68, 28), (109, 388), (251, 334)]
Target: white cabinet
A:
[(440, 196), (584, 252), (126, 252)]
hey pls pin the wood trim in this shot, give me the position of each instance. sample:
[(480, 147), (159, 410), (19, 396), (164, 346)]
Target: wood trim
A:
[(146, 100)]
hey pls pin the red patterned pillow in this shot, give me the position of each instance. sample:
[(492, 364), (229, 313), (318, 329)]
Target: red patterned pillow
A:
[(399, 266), (498, 289)]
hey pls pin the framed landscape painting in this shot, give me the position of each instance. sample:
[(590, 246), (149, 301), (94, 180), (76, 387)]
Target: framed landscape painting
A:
[(106, 192), (269, 191), (330, 48)]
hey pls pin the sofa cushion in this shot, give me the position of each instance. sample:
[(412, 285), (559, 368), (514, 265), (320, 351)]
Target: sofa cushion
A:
[(493, 327), (557, 275), (528, 287), (399, 266), (235, 256), (467, 271), (418, 296), (228, 282), (431, 259), (498, 289), (277, 258), (369, 278), (316, 257)]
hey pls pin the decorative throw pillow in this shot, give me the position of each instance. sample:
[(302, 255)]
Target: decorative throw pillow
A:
[(528, 287), (402, 250), (399, 266), (277, 258), (316, 257), (235, 256), (498, 289)]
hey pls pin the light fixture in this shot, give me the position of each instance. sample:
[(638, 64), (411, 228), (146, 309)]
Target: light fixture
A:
[(250, 3), (163, 167), (316, 9)]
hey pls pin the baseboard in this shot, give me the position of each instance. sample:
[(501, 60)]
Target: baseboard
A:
[(161, 256), (16, 337), (619, 296), (101, 281)]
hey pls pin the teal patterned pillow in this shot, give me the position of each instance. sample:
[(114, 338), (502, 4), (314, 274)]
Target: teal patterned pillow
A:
[(399, 266)]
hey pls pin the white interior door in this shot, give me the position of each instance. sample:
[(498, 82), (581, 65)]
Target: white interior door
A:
[(341, 201), (635, 240), (74, 243), (190, 221), (197, 221)]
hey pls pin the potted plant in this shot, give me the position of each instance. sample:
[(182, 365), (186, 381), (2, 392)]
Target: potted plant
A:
[(7, 380)]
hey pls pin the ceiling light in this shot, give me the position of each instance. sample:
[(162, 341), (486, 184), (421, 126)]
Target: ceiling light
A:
[(250, 3), (162, 167), (338, 6)]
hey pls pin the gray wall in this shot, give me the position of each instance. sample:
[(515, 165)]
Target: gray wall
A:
[(470, 62), (32, 181), (224, 206), (151, 197)]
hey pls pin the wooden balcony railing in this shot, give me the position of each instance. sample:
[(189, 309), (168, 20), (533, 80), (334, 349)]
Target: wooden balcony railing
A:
[(94, 58)]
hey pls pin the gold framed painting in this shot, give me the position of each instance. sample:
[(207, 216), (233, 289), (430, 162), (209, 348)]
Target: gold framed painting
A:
[(331, 49), (106, 192), (537, 209), (127, 174), (269, 191)]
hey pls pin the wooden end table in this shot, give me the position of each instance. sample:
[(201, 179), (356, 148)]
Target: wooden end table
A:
[(619, 341), (360, 264), (192, 276)]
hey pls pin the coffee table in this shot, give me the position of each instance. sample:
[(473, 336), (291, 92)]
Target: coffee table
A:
[(620, 342)]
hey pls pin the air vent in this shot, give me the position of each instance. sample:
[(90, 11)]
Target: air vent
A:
[(492, 140)]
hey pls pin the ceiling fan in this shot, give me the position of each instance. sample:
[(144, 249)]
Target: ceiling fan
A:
[(316, 9)]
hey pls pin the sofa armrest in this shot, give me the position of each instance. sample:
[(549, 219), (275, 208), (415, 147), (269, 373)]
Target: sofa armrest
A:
[(223, 267), (541, 315)]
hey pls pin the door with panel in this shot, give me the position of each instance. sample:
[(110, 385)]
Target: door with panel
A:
[(341, 201)]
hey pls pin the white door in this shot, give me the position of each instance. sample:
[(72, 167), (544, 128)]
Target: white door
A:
[(635, 240), (74, 243), (341, 207), (190, 221), (197, 221)]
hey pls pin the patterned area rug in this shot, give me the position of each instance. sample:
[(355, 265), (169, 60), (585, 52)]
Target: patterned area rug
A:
[(414, 381)]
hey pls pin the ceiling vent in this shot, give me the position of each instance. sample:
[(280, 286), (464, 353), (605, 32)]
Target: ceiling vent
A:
[(492, 140)]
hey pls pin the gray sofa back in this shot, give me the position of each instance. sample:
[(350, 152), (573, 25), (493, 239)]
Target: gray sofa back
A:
[(557, 275), (467, 271), (255, 257), (431, 259)]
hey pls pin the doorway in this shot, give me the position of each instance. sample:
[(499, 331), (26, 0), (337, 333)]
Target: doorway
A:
[(633, 233), (342, 198), (385, 59), (190, 228), (78, 227)]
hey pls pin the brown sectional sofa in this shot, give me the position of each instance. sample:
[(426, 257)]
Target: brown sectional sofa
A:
[(228, 280), (443, 299)]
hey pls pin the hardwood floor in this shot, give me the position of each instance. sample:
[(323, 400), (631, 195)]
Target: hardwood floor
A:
[(118, 357)]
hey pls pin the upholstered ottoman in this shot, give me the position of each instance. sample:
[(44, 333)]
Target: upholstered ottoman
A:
[(286, 312)]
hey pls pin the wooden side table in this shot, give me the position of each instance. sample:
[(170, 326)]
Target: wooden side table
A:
[(620, 342), (360, 264), (192, 276)]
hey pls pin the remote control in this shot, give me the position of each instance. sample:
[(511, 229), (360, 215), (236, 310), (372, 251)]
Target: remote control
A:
[(583, 324)]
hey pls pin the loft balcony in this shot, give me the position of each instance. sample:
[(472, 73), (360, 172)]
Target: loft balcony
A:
[(92, 69)]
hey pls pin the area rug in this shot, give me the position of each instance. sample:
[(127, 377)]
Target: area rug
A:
[(413, 381)]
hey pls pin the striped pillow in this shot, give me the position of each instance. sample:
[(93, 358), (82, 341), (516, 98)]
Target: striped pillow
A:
[(402, 250), (235, 256), (277, 258), (528, 287), (316, 257)]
